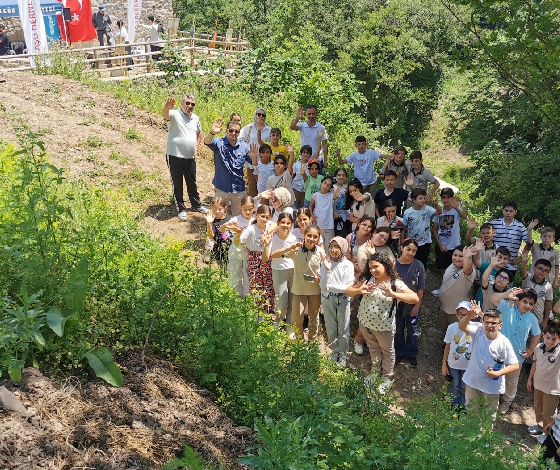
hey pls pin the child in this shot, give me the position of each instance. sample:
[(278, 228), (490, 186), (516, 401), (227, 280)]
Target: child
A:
[(322, 208), (397, 164), (539, 282), (260, 273), (282, 177), (520, 325), (275, 145), (307, 257), (303, 219), (493, 357), (493, 282), (501, 258), (446, 229), (280, 200), (381, 290), (417, 221), (456, 360), (419, 176), (297, 181), (342, 224), (282, 268), (363, 161), (398, 195), (237, 257), (486, 235), (545, 250), (215, 218), (544, 378), (264, 167), (312, 181), (358, 202), (394, 224), (456, 284), (336, 275)]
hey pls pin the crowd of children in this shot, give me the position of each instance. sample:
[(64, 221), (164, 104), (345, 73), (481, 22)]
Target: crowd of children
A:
[(310, 242)]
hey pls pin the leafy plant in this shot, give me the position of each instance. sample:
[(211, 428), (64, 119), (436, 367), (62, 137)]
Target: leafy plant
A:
[(190, 460)]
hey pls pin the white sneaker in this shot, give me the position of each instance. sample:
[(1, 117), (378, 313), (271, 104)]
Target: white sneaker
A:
[(385, 386), (504, 407), (183, 215), (341, 362), (551, 315), (435, 292), (368, 381), (541, 439), (359, 349), (534, 430)]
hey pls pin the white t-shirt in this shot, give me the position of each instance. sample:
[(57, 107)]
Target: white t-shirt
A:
[(449, 231), (249, 134), (277, 243), (297, 179), (183, 134), (363, 165), (264, 171), (308, 136), (418, 224), (484, 351), (460, 347), (323, 210), (251, 237)]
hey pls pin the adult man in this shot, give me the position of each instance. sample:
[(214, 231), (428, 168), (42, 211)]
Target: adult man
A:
[(101, 22), (154, 29), (510, 233), (184, 137), (312, 133), (230, 155), (4, 42)]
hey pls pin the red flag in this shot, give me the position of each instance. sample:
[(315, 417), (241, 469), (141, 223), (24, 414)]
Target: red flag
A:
[(79, 28)]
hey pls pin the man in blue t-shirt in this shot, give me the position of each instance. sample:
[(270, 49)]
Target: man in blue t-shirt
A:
[(519, 324)]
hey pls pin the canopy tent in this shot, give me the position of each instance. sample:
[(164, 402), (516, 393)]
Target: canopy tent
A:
[(48, 7)]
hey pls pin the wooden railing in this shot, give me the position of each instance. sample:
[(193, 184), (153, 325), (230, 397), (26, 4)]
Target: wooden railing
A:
[(114, 56)]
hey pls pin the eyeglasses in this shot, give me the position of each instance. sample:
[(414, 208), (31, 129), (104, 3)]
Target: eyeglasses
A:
[(188, 103), (273, 200), (233, 131), (503, 277), (261, 114), (491, 323)]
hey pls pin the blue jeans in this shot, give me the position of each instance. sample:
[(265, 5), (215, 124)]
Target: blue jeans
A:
[(457, 386), (405, 347)]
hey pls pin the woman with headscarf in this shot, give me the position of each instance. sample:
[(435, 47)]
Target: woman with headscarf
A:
[(336, 275), (249, 134)]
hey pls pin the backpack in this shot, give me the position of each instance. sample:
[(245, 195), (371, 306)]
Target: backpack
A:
[(394, 305), (160, 29)]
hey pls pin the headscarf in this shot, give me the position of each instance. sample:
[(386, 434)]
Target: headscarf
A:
[(343, 244), (284, 197), (262, 111)]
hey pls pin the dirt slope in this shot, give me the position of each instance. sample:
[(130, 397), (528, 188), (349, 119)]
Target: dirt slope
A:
[(86, 133)]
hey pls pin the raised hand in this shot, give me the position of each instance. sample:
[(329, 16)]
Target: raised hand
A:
[(170, 103), (337, 152), (209, 217), (475, 309), (253, 151), (217, 126), (471, 224), (524, 257), (320, 134), (409, 181), (299, 112), (289, 148), (533, 224)]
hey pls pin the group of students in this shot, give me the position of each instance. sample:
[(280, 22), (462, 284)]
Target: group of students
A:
[(309, 242)]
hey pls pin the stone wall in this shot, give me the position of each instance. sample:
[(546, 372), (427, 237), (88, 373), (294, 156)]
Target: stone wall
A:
[(160, 9)]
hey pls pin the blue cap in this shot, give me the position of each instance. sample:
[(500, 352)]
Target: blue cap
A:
[(101, 7)]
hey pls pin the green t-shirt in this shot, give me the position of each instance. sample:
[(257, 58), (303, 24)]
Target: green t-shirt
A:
[(312, 186)]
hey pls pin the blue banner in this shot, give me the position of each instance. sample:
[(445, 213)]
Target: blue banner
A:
[(51, 28), (49, 8)]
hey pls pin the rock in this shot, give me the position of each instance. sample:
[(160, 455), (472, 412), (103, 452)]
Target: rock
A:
[(9, 402)]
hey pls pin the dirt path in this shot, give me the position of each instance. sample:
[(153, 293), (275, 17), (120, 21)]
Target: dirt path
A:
[(120, 148)]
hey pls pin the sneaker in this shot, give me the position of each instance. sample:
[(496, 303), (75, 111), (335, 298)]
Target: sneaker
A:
[(435, 292), (292, 335), (201, 209), (399, 359), (504, 407), (551, 315), (385, 386), (412, 362), (541, 439), (183, 215), (534, 430), (341, 362), (368, 381), (359, 349)]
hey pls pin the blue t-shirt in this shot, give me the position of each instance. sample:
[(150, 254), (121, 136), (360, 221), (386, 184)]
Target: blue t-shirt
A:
[(418, 224), (517, 327), (363, 165), (228, 162)]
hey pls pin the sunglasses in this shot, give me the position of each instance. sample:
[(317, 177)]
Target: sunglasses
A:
[(233, 131), (188, 103), (261, 114)]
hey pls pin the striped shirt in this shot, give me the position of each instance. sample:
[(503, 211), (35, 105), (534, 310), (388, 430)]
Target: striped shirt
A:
[(509, 236)]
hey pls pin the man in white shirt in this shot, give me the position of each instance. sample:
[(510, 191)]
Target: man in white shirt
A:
[(312, 133)]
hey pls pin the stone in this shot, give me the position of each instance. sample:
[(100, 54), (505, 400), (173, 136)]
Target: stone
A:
[(9, 402)]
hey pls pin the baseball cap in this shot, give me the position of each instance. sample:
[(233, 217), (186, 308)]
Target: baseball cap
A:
[(446, 192), (101, 7), (464, 304)]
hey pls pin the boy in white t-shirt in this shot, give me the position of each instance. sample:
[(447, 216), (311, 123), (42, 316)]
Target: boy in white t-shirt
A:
[(492, 358), (264, 167), (456, 355)]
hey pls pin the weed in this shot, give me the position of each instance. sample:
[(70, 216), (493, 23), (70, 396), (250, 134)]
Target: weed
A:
[(94, 141), (132, 134), (119, 157)]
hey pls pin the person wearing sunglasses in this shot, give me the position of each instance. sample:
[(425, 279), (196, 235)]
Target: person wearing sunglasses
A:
[(230, 156), (250, 134), (185, 135)]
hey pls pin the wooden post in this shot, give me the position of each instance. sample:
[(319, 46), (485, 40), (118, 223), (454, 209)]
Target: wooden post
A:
[(192, 56)]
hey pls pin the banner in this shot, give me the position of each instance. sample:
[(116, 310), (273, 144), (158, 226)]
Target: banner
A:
[(134, 8), (51, 28), (33, 27), (79, 28)]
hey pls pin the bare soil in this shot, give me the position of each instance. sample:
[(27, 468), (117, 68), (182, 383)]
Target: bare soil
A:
[(71, 425)]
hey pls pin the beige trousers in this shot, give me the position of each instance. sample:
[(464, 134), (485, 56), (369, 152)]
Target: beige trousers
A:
[(545, 407), (313, 302), (472, 394), (381, 349)]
